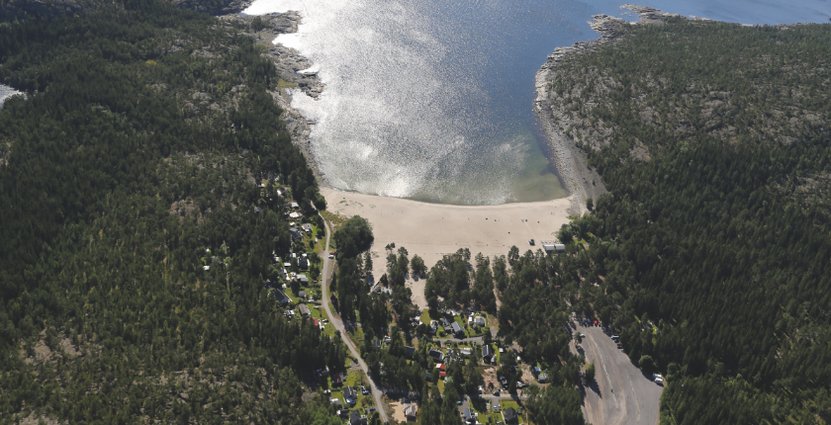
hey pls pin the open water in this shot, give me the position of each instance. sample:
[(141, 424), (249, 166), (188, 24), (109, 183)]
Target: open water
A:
[(432, 99)]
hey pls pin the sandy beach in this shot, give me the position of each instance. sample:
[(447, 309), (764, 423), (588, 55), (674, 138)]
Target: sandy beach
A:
[(433, 230)]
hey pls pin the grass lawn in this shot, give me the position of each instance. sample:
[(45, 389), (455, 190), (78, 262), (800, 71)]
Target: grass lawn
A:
[(490, 418), (358, 336), (336, 220), (425, 317)]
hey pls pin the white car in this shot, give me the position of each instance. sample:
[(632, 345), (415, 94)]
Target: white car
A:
[(658, 379)]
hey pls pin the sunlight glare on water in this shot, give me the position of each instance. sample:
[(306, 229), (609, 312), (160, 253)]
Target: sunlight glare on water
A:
[(433, 99)]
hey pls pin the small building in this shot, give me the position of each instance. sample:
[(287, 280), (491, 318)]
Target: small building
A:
[(303, 279), (550, 247), (295, 205), (304, 310), (479, 321), (487, 353), (468, 416), (303, 263), (295, 234), (302, 294), (350, 394), (442, 369), (306, 228), (510, 416), (436, 355), (457, 330), (281, 297), (356, 419), (411, 411)]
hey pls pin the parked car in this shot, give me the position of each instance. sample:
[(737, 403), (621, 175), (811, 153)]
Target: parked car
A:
[(531, 242), (658, 379)]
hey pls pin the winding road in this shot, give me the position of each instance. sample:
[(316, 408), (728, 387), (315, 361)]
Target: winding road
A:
[(336, 321)]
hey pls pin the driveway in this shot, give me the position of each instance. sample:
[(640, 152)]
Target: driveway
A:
[(623, 395)]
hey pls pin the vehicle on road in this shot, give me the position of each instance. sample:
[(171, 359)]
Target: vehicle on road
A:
[(658, 379)]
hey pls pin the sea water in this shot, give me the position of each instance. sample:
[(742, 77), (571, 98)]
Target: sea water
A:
[(432, 99)]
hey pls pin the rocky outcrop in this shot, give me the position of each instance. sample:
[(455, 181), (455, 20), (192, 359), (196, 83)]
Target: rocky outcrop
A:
[(294, 70), (570, 160)]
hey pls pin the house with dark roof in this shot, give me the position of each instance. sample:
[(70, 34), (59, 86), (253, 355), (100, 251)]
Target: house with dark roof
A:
[(350, 394), (436, 355), (487, 353), (510, 416), (355, 418), (457, 330)]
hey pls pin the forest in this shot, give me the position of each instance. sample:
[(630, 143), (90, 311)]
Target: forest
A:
[(140, 214), (711, 255)]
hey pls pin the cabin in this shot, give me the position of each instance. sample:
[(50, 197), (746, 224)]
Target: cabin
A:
[(487, 354), (411, 411), (436, 355), (468, 416), (509, 416), (295, 234), (355, 418), (457, 330), (350, 394), (281, 297), (479, 321)]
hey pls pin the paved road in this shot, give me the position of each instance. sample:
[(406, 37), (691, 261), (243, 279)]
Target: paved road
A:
[(328, 270), (623, 395)]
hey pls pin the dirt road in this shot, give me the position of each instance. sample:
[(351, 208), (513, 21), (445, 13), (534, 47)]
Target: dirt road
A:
[(328, 270), (623, 395)]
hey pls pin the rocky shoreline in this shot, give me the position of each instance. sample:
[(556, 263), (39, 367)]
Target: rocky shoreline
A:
[(570, 160), (293, 72)]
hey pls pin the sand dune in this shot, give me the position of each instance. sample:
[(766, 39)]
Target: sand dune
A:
[(433, 230)]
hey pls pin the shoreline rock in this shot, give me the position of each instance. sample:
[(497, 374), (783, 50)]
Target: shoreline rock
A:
[(582, 182), (290, 66)]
